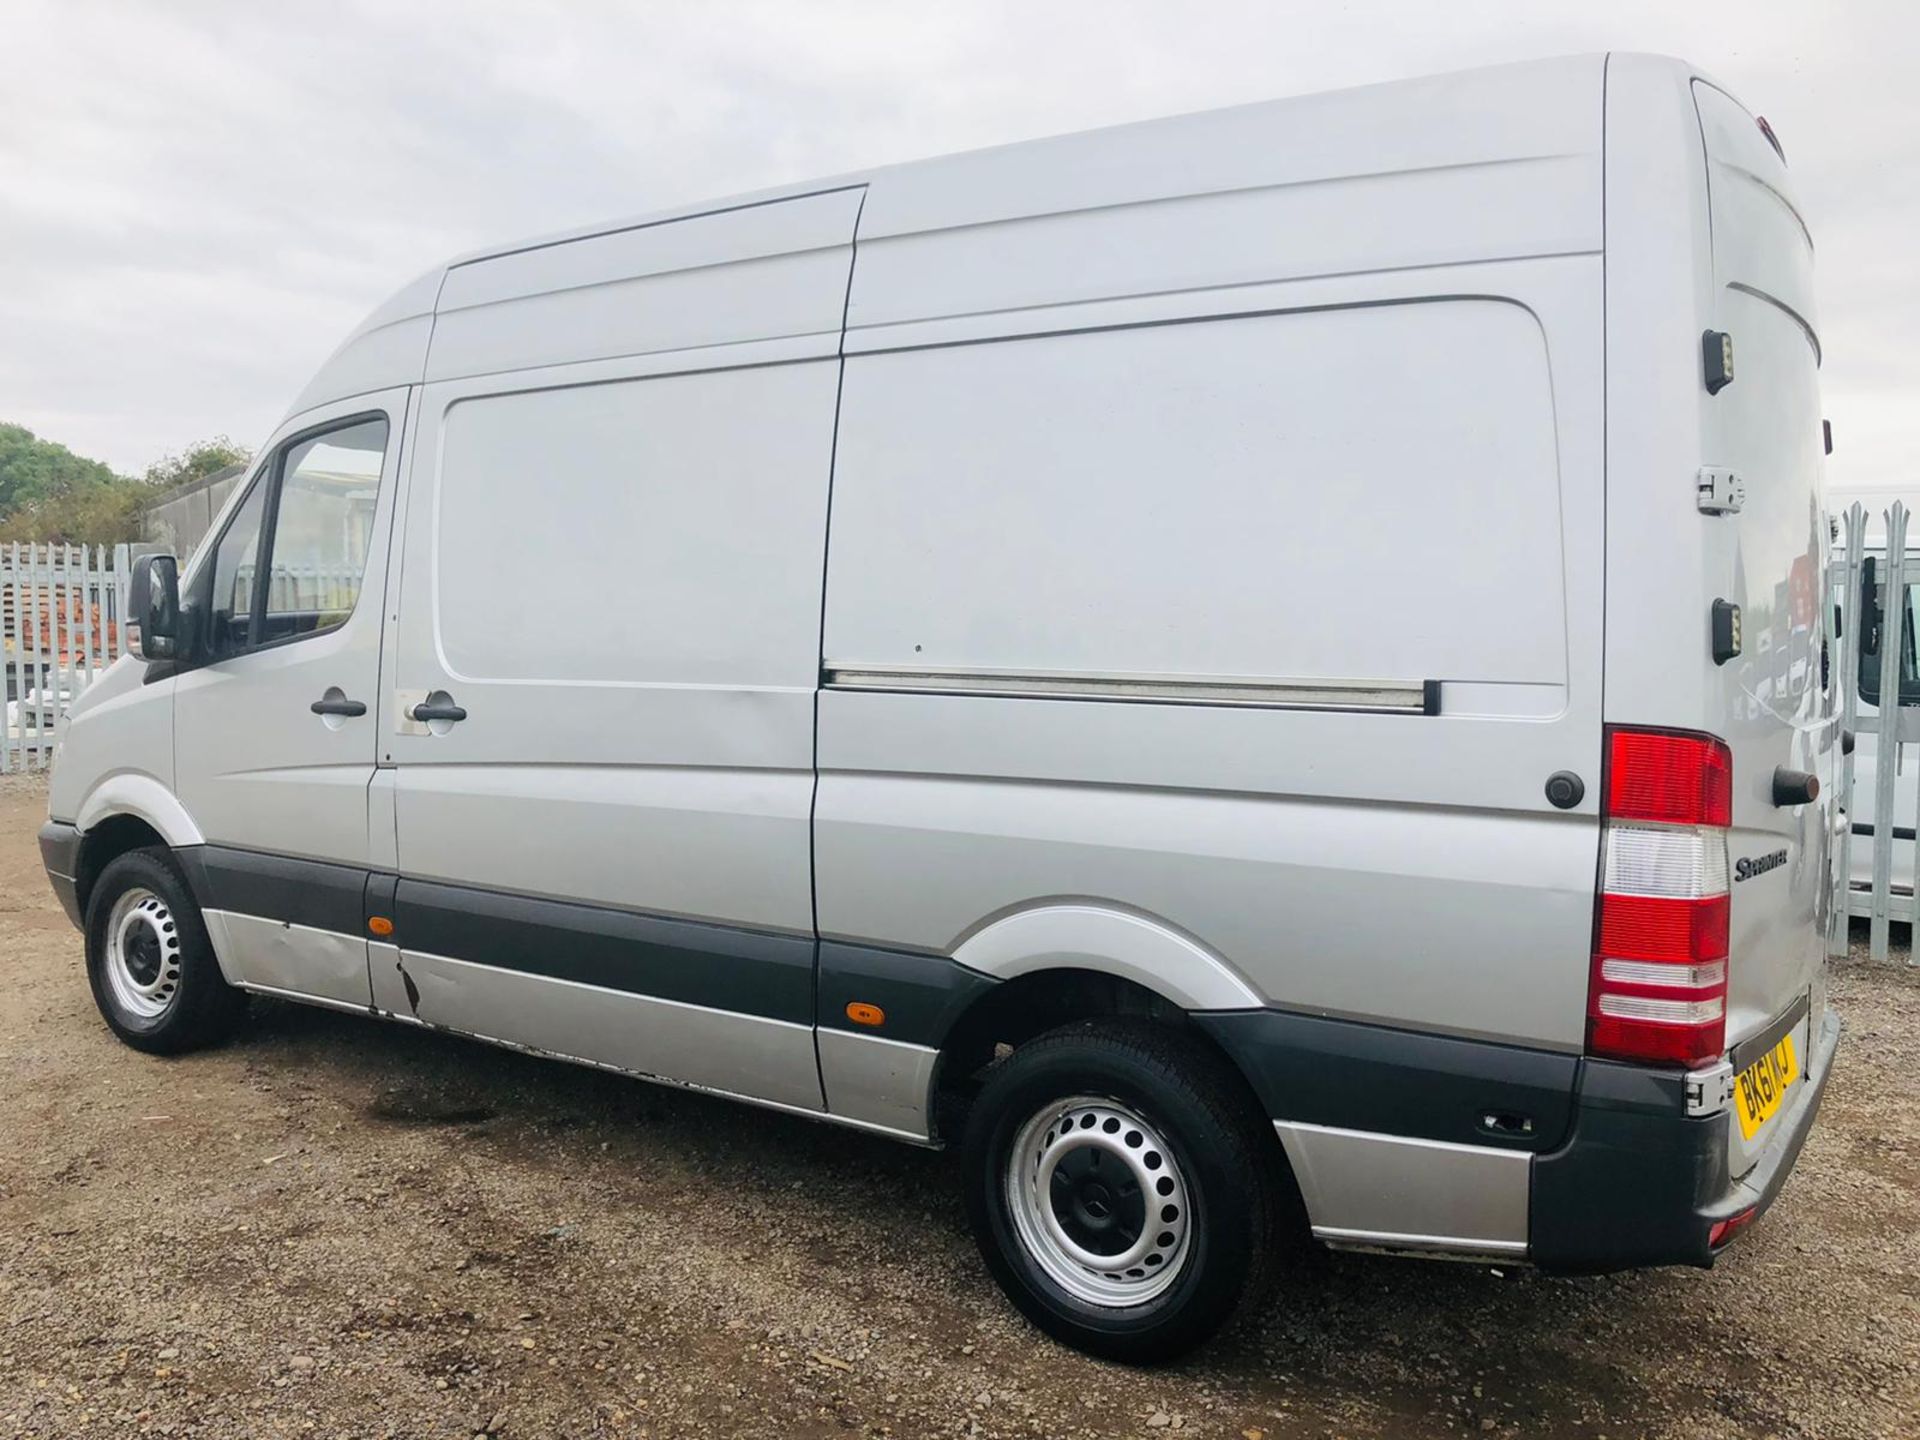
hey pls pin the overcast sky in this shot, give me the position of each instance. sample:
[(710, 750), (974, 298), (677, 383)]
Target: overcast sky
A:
[(198, 199)]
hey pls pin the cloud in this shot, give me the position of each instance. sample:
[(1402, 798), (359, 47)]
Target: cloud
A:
[(198, 201)]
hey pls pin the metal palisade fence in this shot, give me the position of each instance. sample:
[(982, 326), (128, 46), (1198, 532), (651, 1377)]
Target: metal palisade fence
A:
[(1879, 814), (61, 614)]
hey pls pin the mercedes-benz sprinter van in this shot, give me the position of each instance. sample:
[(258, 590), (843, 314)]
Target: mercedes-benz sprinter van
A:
[(1207, 663)]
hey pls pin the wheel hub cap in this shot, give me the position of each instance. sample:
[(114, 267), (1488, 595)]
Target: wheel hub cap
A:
[(143, 954), (1098, 1201)]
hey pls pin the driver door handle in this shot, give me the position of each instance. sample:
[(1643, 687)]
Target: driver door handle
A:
[(443, 710), (338, 705)]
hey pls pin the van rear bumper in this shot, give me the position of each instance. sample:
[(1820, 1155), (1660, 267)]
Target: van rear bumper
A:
[(1638, 1183), (1591, 1166)]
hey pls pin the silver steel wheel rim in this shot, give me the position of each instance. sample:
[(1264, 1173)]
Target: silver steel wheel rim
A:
[(143, 954), (1068, 1157)]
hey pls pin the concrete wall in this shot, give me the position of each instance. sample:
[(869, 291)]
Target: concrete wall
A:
[(179, 521)]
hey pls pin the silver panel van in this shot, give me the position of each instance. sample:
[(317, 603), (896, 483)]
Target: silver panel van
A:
[(937, 650)]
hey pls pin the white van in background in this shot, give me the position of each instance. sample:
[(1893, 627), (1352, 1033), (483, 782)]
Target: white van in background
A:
[(874, 649), (1866, 753), (1906, 801)]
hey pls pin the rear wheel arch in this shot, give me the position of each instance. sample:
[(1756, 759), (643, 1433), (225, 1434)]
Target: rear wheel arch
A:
[(1067, 933), (1039, 1002), (1067, 959)]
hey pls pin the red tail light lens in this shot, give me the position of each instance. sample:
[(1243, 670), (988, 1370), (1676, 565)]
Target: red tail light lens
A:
[(1658, 1027), (1669, 778), (1657, 991), (1659, 928)]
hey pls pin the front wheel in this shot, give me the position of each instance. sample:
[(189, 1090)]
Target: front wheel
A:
[(152, 968), (1123, 1187)]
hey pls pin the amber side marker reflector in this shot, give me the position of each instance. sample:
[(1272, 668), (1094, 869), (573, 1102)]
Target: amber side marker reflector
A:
[(379, 925), (861, 1013)]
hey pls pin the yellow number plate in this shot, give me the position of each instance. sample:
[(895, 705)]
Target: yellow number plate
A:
[(1761, 1089)]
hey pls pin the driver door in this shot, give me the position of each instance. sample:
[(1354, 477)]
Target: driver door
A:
[(274, 711)]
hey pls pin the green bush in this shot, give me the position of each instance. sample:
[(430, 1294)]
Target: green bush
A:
[(48, 493)]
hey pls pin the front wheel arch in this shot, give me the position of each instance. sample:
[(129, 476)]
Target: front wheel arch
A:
[(109, 839), (200, 1008)]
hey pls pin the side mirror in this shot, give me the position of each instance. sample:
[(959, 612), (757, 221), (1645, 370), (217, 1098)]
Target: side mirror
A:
[(153, 608)]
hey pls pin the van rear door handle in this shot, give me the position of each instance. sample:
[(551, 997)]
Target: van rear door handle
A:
[(334, 703), (439, 710)]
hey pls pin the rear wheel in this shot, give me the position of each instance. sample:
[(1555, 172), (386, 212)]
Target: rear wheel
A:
[(151, 966), (1124, 1189)]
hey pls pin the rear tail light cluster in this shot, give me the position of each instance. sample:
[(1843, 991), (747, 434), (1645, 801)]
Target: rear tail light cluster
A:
[(1658, 987)]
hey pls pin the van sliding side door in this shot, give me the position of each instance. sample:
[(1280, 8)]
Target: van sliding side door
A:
[(607, 648)]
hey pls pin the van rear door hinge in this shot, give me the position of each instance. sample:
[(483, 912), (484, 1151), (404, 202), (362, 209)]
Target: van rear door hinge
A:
[(1721, 492), (1708, 1092)]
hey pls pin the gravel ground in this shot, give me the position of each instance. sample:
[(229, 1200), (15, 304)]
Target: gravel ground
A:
[(338, 1228)]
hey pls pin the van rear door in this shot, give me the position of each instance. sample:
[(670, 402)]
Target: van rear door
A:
[(1765, 426)]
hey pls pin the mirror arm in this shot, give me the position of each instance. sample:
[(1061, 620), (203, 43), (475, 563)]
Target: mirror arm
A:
[(187, 635)]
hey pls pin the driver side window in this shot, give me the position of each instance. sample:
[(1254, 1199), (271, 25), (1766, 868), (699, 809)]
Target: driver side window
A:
[(235, 568), (291, 561)]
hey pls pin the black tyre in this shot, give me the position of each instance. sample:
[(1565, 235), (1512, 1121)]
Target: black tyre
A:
[(149, 961), (1124, 1188)]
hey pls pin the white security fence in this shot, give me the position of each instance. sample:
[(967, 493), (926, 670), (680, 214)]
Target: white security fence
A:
[(61, 623), (1878, 801)]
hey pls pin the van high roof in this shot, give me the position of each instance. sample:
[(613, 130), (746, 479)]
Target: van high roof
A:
[(1495, 163)]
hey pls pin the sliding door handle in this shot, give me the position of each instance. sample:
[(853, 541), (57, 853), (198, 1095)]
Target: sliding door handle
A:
[(438, 709), (335, 702)]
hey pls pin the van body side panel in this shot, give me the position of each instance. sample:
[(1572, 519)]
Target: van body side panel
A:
[(667, 763), (120, 760), (1003, 500), (748, 1056), (1343, 909), (739, 276), (1444, 170), (1342, 495), (641, 425), (1158, 536)]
